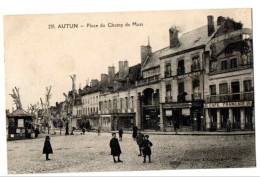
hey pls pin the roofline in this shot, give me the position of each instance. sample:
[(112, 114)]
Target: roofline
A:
[(182, 52)]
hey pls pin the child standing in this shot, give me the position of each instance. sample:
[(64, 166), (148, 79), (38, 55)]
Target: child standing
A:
[(146, 145), (115, 148), (47, 149)]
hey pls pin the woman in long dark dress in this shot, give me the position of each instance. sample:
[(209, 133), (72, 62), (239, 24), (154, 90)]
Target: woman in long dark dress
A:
[(47, 149), (135, 129), (146, 145), (115, 148)]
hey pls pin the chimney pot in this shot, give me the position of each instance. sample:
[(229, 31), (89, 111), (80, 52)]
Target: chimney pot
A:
[(211, 28)]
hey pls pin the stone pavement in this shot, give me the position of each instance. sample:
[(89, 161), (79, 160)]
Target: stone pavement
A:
[(91, 153)]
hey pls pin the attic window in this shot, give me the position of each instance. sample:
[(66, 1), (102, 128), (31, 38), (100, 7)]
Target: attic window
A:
[(197, 40)]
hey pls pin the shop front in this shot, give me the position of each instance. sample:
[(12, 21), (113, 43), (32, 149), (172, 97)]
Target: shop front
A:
[(150, 118), (187, 116), (126, 121), (239, 115)]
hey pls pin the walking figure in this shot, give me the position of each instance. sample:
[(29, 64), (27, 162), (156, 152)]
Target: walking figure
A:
[(120, 132), (228, 125), (135, 132), (139, 140), (37, 132), (146, 146), (115, 148), (83, 130), (98, 130), (175, 126), (47, 149)]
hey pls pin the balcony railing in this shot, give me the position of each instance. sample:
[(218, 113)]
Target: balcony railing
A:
[(196, 96), (168, 99), (147, 81), (180, 70), (245, 96)]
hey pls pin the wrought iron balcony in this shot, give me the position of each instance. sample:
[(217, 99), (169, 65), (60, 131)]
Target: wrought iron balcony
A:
[(244, 96), (148, 81), (196, 96), (168, 99)]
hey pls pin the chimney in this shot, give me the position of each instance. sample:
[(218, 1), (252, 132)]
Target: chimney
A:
[(211, 28), (221, 20), (104, 79), (126, 68), (174, 39), (111, 74), (121, 69), (146, 51)]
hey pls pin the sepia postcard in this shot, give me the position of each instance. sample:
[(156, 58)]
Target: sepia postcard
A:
[(129, 91)]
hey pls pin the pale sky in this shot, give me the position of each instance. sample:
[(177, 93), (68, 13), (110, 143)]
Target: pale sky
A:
[(37, 57)]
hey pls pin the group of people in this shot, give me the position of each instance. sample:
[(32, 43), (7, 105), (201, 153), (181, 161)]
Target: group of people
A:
[(142, 141)]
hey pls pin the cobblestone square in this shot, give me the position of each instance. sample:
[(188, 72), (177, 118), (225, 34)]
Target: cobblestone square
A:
[(91, 153)]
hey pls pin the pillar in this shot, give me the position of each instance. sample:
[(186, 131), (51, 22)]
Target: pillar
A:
[(242, 118), (218, 119), (230, 110), (138, 111), (208, 122), (161, 118)]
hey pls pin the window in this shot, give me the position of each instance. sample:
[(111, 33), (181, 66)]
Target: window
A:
[(181, 68), (233, 63), (212, 89), (126, 102), (168, 70), (168, 90), (248, 86), (223, 88), (195, 63), (224, 65)]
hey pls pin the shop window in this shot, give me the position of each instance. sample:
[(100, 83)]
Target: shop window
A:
[(224, 65), (233, 63)]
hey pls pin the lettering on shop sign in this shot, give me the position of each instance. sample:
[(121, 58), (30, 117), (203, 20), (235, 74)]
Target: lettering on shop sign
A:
[(228, 104), (192, 74)]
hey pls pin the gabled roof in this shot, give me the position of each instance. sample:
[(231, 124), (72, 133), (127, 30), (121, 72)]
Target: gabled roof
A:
[(20, 113), (192, 39), (153, 60)]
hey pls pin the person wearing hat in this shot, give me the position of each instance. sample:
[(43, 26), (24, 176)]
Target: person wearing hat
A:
[(115, 148), (139, 140), (146, 146), (47, 149)]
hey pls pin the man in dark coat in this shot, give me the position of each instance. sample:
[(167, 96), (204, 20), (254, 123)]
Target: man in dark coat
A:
[(139, 140), (120, 132), (146, 148), (47, 149), (115, 148), (135, 132)]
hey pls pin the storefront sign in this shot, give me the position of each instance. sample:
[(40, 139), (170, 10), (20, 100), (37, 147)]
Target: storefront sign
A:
[(191, 74), (20, 123), (228, 104), (177, 105)]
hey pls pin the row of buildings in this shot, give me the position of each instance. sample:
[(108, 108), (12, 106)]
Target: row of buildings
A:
[(202, 79)]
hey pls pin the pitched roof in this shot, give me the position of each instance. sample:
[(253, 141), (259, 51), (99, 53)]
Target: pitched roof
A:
[(20, 113), (192, 39), (153, 60)]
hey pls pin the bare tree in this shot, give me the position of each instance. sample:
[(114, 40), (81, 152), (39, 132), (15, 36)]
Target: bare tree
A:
[(16, 98)]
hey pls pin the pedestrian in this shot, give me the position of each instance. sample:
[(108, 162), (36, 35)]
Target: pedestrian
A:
[(139, 140), (228, 125), (146, 146), (120, 132), (47, 149), (83, 130), (37, 132), (135, 132), (98, 130), (115, 148), (175, 126)]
